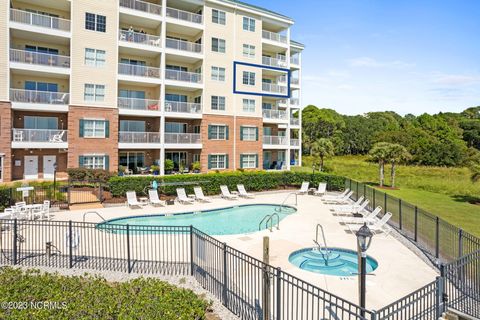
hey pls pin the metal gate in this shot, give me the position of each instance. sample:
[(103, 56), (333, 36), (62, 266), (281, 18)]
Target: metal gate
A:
[(84, 192)]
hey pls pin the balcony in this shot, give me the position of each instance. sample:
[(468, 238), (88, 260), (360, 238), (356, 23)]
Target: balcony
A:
[(42, 62), (137, 38), (40, 21), (273, 36), (182, 138), (295, 59), (39, 100), (295, 142), (274, 62), (294, 102), (182, 45), (142, 6), (132, 106), (138, 73), (269, 114), (294, 121), (39, 138), (184, 16), (275, 141), (132, 140), (183, 76), (274, 88), (183, 109), (295, 81)]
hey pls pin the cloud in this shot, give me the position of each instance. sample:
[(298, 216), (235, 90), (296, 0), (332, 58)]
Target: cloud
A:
[(456, 79), (373, 63)]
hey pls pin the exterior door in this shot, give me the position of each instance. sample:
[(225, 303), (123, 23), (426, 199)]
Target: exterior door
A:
[(48, 168), (30, 167)]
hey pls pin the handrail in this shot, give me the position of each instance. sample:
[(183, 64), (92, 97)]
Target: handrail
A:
[(98, 214), (261, 221), (324, 242), (270, 219), (285, 200)]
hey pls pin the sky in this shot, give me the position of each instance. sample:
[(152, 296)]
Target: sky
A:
[(408, 56)]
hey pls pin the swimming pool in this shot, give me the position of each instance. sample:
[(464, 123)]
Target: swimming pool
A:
[(224, 221), (337, 262)]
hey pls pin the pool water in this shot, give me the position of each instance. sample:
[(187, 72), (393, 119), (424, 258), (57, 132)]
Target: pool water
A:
[(225, 221), (340, 262)]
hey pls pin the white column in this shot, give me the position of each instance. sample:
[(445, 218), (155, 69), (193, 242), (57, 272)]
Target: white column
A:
[(163, 36), (300, 110), (287, 152)]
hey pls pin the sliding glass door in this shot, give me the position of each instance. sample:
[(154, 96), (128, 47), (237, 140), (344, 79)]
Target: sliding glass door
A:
[(132, 160), (178, 158)]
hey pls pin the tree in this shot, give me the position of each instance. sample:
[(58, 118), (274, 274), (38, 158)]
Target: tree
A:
[(396, 153), (379, 153), (323, 148), (475, 177)]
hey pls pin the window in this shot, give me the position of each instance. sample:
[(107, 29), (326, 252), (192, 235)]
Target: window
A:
[(94, 92), (218, 45), (248, 24), (93, 128), (94, 162), (175, 127), (248, 78), (95, 22), (248, 51), (218, 103), (217, 161), (175, 97), (41, 86), (34, 122), (196, 157), (32, 48), (248, 133), (217, 132), (132, 125), (248, 161), (248, 105), (218, 73), (218, 16), (94, 57)]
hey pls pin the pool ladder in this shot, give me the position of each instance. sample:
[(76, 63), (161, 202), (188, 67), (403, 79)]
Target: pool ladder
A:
[(327, 252), (95, 212), (279, 208), (269, 219)]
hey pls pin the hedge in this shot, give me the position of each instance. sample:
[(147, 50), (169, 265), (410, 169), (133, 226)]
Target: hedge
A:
[(89, 297), (210, 182)]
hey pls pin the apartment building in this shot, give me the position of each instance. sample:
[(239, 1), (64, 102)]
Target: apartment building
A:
[(129, 83)]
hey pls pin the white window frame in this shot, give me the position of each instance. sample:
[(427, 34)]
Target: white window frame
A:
[(98, 129), (249, 105), (249, 136), (220, 103), (248, 24), (196, 157), (96, 60), (219, 159), (94, 161), (220, 133), (248, 50), (248, 78), (220, 18), (251, 163), (94, 92), (221, 46), (218, 73)]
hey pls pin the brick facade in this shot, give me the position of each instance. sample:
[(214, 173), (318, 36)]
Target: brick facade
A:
[(6, 139), (19, 156)]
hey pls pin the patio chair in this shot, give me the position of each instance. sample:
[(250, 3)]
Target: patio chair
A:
[(304, 188), (226, 193), (60, 100), (132, 200), (322, 189), (243, 193), (153, 198), (57, 137), (46, 209), (375, 227), (369, 217), (336, 196), (7, 213), (344, 200), (348, 207), (199, 194), (182, 197)]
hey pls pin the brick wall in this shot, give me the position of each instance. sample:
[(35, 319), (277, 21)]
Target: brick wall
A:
[(19, 155), (249, 146), (6, 139)]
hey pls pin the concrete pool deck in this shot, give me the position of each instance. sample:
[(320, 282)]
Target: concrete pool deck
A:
[(400, 270)]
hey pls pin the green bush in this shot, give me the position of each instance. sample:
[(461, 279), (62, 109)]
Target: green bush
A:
[(88, 297), (210, 182), (88, 175)]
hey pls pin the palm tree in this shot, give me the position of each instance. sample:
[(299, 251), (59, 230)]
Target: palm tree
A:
[(396, 154), (322, 148), (379, 153)]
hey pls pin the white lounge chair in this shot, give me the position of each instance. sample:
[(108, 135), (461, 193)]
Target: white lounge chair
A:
[(335, 196), (57, 138), (322, 189), (46, 209), (243, 193), (344, 200), (132, 200), (376, 227), (369, 217), (226, 193), (7, 213), (182, 196), (359, 205), (199, 195), (153, 198), (304, 188)]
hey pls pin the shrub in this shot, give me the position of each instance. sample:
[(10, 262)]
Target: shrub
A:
[(253, 181), (88, 175), (169, 165)]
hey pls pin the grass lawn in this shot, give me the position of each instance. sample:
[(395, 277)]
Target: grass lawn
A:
[(442, 191)]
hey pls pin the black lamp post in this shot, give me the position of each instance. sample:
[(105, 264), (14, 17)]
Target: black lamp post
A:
[(55, 167), (364, 238)]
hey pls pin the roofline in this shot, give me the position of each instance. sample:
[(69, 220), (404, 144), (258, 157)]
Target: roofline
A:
[(297, 44), (255, 9)]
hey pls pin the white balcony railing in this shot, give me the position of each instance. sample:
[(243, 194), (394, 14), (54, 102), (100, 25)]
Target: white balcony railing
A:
[(183, 107), (142, 6), (33, 96), (274, 62), (182, 138), (138, 104), (38, 58), (184, 15), (39, 20), (274, 114), (294, 121), (294, 142), (183, 76), (138, 70), (183, 45), (295, 59), (140, 38), (275, 140), (39, 135), (275, 88), (138, 137), (294, 101), (295, 81), (274, 36)]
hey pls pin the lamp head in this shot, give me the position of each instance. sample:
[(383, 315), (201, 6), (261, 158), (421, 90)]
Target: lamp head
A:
[(364, 237)]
